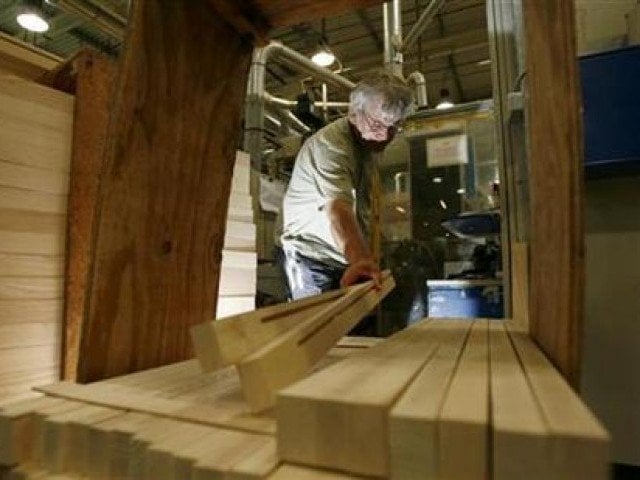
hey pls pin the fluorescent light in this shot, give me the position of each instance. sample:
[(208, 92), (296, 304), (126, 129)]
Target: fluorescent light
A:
[(444, 105), (33, 22), (461, 191), (437, 179), (443, 204), (482, 63), (324, 58), (401, 210)]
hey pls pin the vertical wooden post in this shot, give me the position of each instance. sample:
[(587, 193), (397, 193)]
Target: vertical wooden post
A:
[(556, 183), (160, 214)]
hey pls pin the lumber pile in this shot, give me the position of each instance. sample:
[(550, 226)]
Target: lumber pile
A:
[(237, 288), (171, 422), (443, 399), (35, 150), (276, 346)]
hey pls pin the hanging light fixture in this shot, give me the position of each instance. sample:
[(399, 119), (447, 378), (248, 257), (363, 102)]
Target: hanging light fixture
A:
[(445, 100), (30, 17), (323, 56)]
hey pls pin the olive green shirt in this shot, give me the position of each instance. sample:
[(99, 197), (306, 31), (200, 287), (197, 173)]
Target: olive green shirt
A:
[(331, 164)]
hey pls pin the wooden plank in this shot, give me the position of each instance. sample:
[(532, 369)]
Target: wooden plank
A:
[(36, 222), (38, 102), (166, 154), (580, 445), (244, 19), (238, 281), (292, 355), (31, 243), (24, 59), (240, 236), (228, 306), (413, 420), (31, 288), (555, 183), (14, 335), (19, 198), (520, 445), (227, 341), (338, 418), (93, 79), (463, 424), (33, 178), (27, 311), (520, 283), (13, 264), (25, 358)]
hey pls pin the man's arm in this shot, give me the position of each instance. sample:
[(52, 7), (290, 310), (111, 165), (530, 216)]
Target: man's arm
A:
[(347, 234)]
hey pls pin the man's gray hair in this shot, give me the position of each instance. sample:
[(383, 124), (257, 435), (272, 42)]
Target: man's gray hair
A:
[(396, 97)]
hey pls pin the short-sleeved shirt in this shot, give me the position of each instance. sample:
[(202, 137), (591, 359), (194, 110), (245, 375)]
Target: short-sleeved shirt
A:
[(331, 164)]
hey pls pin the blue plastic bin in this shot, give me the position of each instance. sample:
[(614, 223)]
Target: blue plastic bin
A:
[(465, 298)]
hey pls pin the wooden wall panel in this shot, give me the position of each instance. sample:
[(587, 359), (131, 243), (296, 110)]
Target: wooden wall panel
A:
[(35, 141), (165, 187), (556, 183)]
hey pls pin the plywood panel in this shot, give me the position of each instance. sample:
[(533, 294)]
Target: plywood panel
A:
[(555, 183), (26, 358), (14, 335), (165, 189)]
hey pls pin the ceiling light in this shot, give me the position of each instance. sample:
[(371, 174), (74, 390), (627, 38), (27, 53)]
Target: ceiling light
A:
[(400, 209), (461, 191), (443, 204), (445, 100), (437, 179), (33, 21), (482, 63), (323, 57)]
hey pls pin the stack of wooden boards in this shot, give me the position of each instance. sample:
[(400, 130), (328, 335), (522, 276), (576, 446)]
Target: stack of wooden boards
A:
[(171, 422), (36, 129), (276, 346), (237, 290), (442, 399)]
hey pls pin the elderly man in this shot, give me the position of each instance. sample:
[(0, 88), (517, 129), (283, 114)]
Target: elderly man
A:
[(326, 207)]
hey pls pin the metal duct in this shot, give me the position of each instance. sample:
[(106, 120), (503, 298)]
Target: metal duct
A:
[(417, 80), (256, 94), (105, 20), (422, 23)]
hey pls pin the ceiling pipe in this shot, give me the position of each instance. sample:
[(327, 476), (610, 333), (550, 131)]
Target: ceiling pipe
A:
[(392, 20), (256, 92), (284, 102), (417, 80), (421, 24)]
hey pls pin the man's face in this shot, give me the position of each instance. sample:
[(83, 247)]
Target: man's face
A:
[(373, 126)]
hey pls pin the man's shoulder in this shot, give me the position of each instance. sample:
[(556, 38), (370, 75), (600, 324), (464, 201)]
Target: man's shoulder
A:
[(336, 136)]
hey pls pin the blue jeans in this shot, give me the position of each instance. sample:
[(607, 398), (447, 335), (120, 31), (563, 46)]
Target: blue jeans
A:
[(307, 277)]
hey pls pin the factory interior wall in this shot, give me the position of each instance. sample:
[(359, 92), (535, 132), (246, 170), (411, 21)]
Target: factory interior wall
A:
[(611, 350), (601, 25)]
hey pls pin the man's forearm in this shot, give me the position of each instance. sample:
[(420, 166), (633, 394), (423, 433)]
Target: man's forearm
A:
[(346, 231)]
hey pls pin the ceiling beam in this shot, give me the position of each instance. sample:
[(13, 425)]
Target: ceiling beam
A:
[(366, 23)]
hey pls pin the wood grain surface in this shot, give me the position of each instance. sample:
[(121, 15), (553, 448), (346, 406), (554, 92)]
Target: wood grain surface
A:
[(555, 183), (165, 187)]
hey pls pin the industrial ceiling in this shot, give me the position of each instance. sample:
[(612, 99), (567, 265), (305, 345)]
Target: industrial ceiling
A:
[(452, 53)]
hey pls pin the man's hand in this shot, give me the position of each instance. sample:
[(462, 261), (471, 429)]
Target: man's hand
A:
[(362, 269)]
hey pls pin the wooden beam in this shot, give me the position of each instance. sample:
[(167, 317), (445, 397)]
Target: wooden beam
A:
[(288, 358), (219, 343), (90, 76), (555, 183), (162, 201), (23, 59)]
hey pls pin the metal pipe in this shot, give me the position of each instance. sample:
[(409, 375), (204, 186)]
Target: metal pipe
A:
[(284, 102), (254, 110), (386, 23), (422, 23), (420, 87)]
